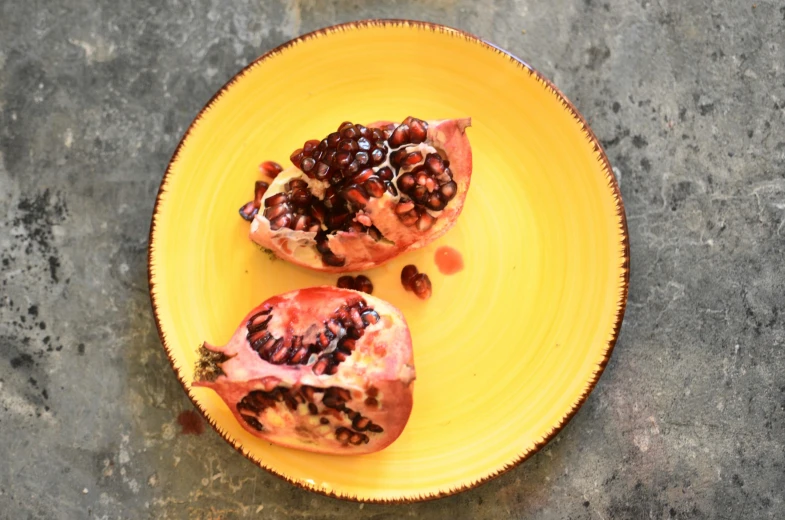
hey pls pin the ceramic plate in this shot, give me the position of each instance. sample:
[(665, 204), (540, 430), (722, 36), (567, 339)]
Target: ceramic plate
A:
[(507, 349)]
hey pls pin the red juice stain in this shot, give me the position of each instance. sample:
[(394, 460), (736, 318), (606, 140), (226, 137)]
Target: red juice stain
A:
[(191, 423), (448, 260)]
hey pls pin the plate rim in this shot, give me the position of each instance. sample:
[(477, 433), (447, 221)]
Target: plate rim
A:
[(620, 214)]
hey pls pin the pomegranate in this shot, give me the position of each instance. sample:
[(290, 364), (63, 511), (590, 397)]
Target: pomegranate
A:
[(363, 195), (322, 369)]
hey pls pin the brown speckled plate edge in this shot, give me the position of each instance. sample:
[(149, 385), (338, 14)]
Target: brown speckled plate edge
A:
[(622, 303)]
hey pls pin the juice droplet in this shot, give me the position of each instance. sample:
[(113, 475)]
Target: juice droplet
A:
[(448, 260)]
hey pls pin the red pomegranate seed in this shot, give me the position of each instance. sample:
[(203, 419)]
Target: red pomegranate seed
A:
[(425, 222), (421, 285), (362, 158), (364, 144), (347, 145), (418, 130), (300, 197), (307, 164), (430, 184), (363, 283), (434, 163), (406, 182), (385, 173), (280, 222), (363, 176), (352, 168), (407, 275), (248, 211), (259, 190), (390, 188), (375, 186), (449, 190), (274, 212), (345, 282), (322, 171), (400, 136), (419, 193), (397, 157), (343, 159), (278, 198), (310, 146), (296, 183), (377, 156), (356, 195), (296, 157), (332, 139), (349, 131), (412, 159), (435, 202), (271, 168), (364, 219), (301, 222)]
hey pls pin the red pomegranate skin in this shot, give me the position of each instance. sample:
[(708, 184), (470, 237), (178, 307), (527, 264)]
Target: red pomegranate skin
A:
[(361, 251), (361, 407)]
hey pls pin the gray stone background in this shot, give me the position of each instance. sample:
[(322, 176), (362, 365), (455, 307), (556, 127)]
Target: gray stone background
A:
[(688, 98)]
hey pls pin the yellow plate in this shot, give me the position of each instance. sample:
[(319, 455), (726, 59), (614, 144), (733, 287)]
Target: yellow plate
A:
[(507, 349)]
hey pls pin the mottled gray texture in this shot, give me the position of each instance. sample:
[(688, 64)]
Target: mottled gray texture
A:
[(689, 100)]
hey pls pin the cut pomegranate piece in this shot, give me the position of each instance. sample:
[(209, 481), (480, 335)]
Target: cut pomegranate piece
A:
[(371, 193), (321, 369)]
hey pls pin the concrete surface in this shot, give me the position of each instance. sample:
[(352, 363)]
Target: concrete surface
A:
[(689, 100)]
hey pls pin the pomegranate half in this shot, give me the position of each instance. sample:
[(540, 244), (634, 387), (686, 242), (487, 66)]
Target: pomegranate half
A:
[(322, 369), (363, 195)]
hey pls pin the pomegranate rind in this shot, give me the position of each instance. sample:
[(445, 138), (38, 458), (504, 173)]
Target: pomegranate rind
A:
[(381, 363), (360, 250)]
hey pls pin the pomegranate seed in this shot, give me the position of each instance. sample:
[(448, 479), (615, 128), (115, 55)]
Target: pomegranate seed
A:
[(352, 168), (333, 260), (364, 144), (400, 136), (337, 220), (390, 188), (449, 190), (377, 134), (278, 198), (397, 157), (322, 144), (271, 168), (406, 182), (412, 159), (274, 212), (296, 157), (347, 145), (425, 222), (362, 158), (318, 211), (377, 156), (407, 275), (345, 282), (430, 184), (363, 130), (259, 190), (307, 164), (421, 178), (375, 186), (322, 171), (296, 183), (343, 159), (329, 157), (248, 211), (301, 222), (356, 195), (363, 176), (434, 163), (280, 222), (435, 202), (350, 132), (310, 146), (419, 193), (357, 227), (418, 130), (421, 285), (385, 174), (363, 283), (404, 207), (332, 139)]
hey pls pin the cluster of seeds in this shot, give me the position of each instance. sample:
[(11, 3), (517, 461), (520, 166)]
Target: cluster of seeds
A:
[(358, 164), (332, 345), (329, 403), (417, 282), (358, 283)]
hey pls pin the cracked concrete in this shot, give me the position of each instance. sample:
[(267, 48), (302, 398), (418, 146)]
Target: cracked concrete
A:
[(688, 98)]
